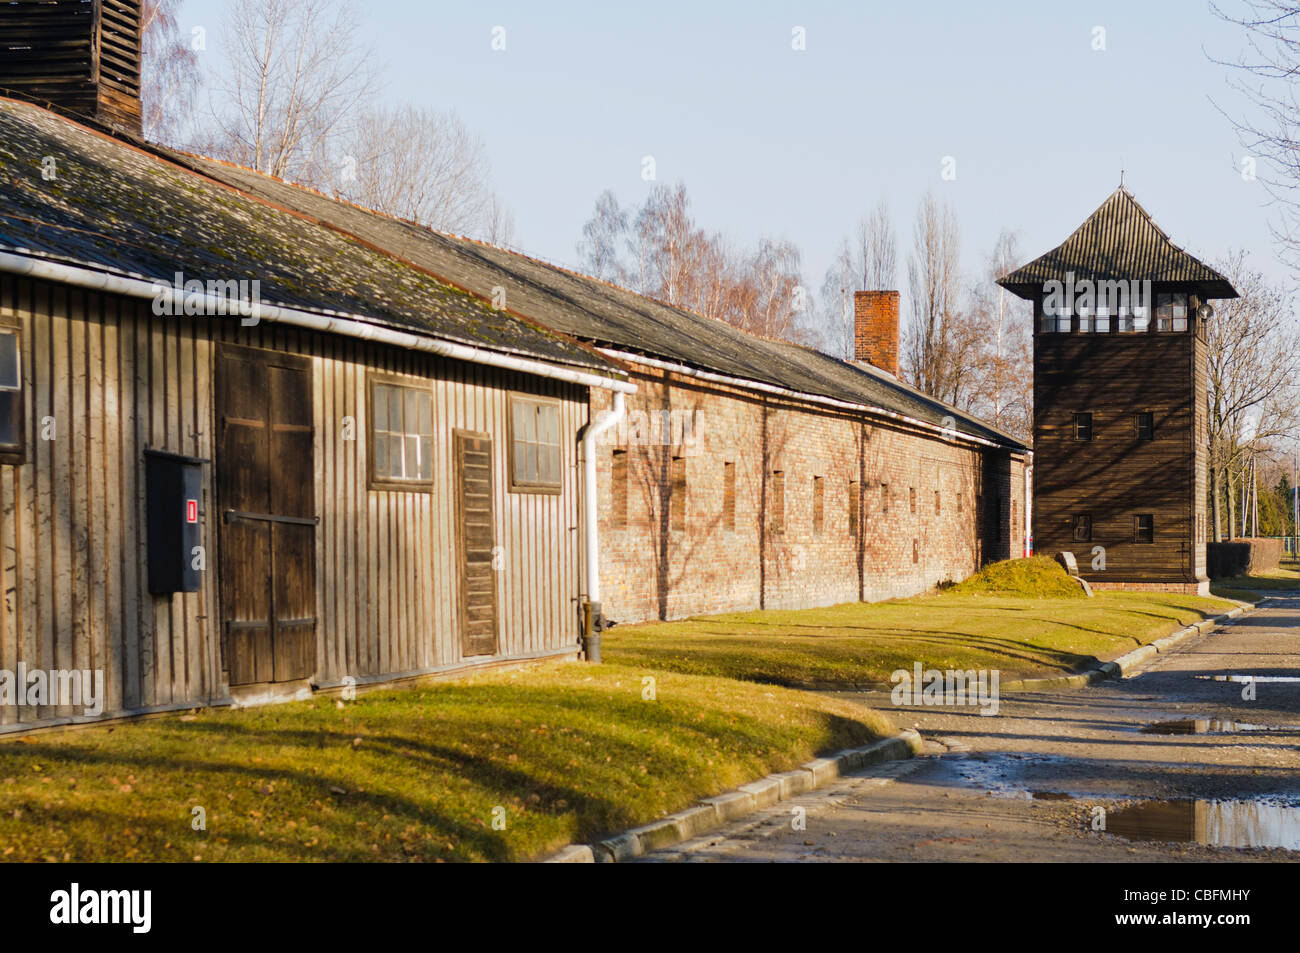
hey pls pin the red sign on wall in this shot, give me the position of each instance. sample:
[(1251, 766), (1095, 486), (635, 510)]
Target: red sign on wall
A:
[(191, 511)]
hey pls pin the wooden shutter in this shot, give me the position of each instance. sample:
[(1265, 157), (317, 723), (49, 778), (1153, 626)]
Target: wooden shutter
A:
[(476, 534)]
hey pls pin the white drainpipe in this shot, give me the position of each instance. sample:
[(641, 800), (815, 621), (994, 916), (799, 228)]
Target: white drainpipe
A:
[(591, 514)]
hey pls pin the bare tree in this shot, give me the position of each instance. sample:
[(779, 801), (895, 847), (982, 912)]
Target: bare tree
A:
[(603, 237), (420, 164), (1001, 378), (1253, 382), (936, 348), (169, 80), (1267, 75), (298, 80), (866, 262), (500, 225), (673, 259)]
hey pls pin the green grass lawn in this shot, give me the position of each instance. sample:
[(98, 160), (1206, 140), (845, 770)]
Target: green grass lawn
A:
[(565, 751), (1285, 577), (997, 624)]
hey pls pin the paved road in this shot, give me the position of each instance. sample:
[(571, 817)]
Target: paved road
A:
[(1031, 782)]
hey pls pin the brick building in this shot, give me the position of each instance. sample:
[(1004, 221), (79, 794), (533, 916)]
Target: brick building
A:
[(728, 429)]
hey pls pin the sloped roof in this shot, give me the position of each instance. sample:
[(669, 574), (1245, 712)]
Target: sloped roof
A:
[(123, 210), (1118, 241), (609, 316)]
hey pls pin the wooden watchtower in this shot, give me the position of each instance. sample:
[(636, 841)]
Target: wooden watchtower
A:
[(1120, 436)]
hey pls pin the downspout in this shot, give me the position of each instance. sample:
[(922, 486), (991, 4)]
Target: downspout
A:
[(592, 619)]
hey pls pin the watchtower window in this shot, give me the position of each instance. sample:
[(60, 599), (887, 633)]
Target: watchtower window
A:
[(1082, 527), (1134, 318), (1171, 312), (1083, 427), (1144, 530), (1055, 318), (1144, 425)]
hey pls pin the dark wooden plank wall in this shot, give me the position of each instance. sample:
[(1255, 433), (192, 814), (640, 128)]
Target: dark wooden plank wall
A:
[(116, 379), (1115, 477)]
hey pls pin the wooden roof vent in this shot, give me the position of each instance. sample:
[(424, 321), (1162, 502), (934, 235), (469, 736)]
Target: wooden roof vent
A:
[(80, 57)]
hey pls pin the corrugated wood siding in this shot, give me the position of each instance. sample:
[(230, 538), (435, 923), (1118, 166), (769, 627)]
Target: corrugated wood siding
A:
[(116, 379)]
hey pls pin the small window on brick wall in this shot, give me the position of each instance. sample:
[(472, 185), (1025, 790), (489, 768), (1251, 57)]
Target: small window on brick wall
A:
[(911, 498), (677, 507), (817, 501), (855, 507), (777, 519), (618, 490), (916, 551), (938, 502), (884, 497), (961, 497), (729, 497)]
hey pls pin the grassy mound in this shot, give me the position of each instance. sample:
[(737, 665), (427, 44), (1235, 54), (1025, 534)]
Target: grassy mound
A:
[(1038, 577)]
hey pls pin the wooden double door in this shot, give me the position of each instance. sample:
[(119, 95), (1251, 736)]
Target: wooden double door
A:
[(265, 478)]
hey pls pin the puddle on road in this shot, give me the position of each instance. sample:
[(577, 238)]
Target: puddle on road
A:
[(1250, 678), (1213, 823), (1202, 726)]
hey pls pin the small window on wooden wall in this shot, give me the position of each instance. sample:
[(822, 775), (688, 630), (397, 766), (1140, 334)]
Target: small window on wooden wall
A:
[(778, 502), (1144, 529), (677, 504), (1083, 427), (1081, 527), (11, 397), (1144, 425), (536, 453), (729, 496), (1171, 312), (618, 489), (401, 434)]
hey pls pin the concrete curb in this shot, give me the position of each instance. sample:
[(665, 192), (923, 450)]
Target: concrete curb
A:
[(714, 811), (1126, 663)]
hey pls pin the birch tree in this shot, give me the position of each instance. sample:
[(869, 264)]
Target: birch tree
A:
[(1253, 380), (297, 82), (169, 73)]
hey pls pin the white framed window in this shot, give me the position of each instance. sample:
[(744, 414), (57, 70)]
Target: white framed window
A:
[(536, 453), (401, 434)]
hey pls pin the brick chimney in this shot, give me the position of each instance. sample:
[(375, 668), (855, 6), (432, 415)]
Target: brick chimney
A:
[(80, 57), (875, 329)]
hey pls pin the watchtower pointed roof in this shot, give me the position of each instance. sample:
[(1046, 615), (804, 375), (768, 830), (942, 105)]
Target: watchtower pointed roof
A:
[(1119, 241)]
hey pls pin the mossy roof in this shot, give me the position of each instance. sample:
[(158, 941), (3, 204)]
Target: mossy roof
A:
[(118, 208)]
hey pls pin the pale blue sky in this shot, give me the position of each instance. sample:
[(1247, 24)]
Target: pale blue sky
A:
[(796, 145)]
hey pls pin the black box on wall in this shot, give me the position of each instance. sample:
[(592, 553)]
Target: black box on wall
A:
[(173, 489)]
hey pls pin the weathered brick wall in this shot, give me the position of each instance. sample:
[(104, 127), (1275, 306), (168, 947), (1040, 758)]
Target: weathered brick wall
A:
[(717, 562)]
